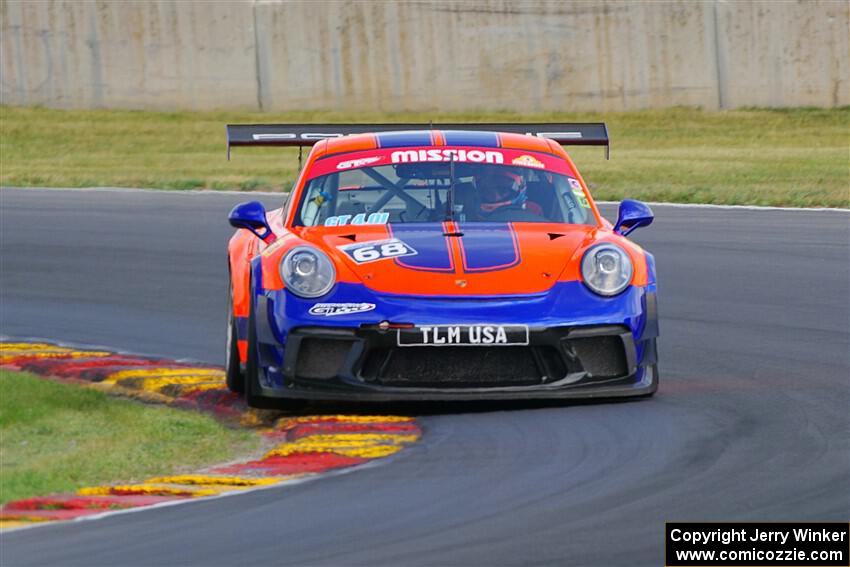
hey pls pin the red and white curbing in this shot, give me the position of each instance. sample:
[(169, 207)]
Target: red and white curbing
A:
[(305, 445)]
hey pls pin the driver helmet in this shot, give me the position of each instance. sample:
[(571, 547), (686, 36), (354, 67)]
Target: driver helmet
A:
[(497, 189)]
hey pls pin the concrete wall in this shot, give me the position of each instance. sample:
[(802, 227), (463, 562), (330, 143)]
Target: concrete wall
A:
[(449, 55)]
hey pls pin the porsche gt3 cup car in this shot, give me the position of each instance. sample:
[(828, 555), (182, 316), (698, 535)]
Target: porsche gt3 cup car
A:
[(434, 262)]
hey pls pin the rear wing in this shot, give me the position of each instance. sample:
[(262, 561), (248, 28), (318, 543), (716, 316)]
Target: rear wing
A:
[(301, 135)]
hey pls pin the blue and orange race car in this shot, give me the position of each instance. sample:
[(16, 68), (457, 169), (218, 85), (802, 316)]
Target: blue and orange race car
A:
[(425, 262)]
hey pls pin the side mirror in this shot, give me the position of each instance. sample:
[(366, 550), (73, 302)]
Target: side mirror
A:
[(632, 215), (252, 216)]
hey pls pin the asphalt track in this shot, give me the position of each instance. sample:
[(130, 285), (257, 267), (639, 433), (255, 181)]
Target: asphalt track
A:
[(752, 420)]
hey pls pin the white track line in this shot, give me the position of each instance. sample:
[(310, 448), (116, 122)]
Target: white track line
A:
[(90, 346), (155, 191), (308, 477), (741, 207), (202, 192)]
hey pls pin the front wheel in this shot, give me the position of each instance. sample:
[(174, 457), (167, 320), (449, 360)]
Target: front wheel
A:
[(234, 377)]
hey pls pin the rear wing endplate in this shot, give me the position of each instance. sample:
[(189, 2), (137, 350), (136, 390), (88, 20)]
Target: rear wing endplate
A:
[(301, 135)]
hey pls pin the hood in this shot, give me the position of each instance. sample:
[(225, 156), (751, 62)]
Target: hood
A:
[(485, 259)]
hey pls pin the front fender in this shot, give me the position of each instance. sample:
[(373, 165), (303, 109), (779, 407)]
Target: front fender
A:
[(240, 250)]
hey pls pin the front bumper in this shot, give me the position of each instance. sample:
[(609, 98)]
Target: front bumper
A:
[(580, 346)]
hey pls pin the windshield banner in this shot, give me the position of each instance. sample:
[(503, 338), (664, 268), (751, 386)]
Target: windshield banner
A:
[(431, 154)]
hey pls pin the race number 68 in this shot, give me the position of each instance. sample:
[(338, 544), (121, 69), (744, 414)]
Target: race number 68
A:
[(372, 251)]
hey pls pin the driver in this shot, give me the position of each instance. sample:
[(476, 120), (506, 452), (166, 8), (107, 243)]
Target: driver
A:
[(503, 191)]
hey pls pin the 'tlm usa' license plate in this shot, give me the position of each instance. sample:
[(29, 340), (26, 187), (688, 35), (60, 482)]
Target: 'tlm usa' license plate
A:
[(464, 335)]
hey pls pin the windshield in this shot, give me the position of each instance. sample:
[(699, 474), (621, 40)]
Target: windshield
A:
[(407, 191)]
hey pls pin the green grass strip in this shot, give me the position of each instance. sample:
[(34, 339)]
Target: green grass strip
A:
[(785, 157), (60, 437)]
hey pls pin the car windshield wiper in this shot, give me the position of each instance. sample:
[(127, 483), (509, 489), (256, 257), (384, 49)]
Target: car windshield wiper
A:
[(450, 201), (450, 195)]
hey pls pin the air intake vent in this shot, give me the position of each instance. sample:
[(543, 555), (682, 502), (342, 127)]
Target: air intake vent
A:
[(602, 357), (321, 358)]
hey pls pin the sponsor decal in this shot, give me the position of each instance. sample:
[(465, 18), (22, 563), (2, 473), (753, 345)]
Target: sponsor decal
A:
[(556, 135), (581, 198), (360, 218), (358, 162), (365, 252), (334, 309), (322, 136), (292, 136), (322, 197), (439, 155), (528, 161), (464, 335), (578, 193)]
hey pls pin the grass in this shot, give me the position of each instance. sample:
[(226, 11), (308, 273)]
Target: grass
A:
[(787, 157), (59, 437)]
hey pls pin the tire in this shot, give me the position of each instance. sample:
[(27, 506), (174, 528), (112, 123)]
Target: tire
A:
[(234, 377)]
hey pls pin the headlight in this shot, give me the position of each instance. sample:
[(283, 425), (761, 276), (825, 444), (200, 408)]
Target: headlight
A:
[(307, 272), (606, 269)]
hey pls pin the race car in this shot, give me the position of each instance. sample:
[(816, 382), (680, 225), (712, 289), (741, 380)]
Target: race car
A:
[(437, 262)]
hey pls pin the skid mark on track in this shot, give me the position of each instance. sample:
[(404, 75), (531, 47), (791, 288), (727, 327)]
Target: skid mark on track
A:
[(304, 445)]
